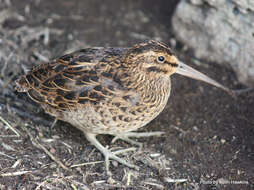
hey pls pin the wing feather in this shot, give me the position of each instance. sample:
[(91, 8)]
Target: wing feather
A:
[(82, 77)]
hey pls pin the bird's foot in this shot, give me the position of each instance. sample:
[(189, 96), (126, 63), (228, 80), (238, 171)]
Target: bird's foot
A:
[(126, 136), (108, 154)]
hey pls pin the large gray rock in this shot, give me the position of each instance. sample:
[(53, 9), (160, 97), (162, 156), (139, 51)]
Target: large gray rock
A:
[(220, 31)]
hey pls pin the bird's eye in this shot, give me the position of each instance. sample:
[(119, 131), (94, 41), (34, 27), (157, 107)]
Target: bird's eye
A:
[(161, 59)]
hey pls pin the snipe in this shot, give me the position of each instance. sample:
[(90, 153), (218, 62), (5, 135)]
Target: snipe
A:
[(108, 90)]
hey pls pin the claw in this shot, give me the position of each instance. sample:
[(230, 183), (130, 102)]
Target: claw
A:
[(108, 154)]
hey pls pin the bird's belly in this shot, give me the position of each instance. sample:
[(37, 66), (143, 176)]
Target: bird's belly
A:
[(103, 119)]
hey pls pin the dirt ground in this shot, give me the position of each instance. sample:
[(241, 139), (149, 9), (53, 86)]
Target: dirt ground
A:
[(208, 141)]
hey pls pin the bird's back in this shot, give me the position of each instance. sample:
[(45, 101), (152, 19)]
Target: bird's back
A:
[(72, 78)]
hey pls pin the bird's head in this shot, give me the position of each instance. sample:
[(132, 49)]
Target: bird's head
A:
[(153, 58), (156, 59)]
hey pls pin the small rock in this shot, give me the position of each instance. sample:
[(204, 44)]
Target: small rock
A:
[(223, 141), (219, 31)]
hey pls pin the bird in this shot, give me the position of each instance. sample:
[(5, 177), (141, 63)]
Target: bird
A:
[(108, 90)]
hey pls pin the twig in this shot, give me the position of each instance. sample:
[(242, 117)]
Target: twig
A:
[(5, 63), (179, 129), (37, 144), (62, 180), (158, 186), (35, 33), (85, 164), (41, 57), (16, 163), (14, 173), (170, 180), (78, 183), (3, 154), (10, 127), (51, 155)]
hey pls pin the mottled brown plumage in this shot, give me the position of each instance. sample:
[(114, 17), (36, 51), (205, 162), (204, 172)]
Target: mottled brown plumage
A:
[(107, 90)]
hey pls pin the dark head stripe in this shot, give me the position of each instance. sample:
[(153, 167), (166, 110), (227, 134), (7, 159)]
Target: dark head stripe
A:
[(172, 64), (151, 45)]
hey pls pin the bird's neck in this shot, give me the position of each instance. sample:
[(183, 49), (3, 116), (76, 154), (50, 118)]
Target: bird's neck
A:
[(146, 85)]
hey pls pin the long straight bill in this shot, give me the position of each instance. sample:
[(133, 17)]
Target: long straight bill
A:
[(188, 71)]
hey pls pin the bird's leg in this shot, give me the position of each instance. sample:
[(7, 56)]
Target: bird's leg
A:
[(126, 136), (107, 153)]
